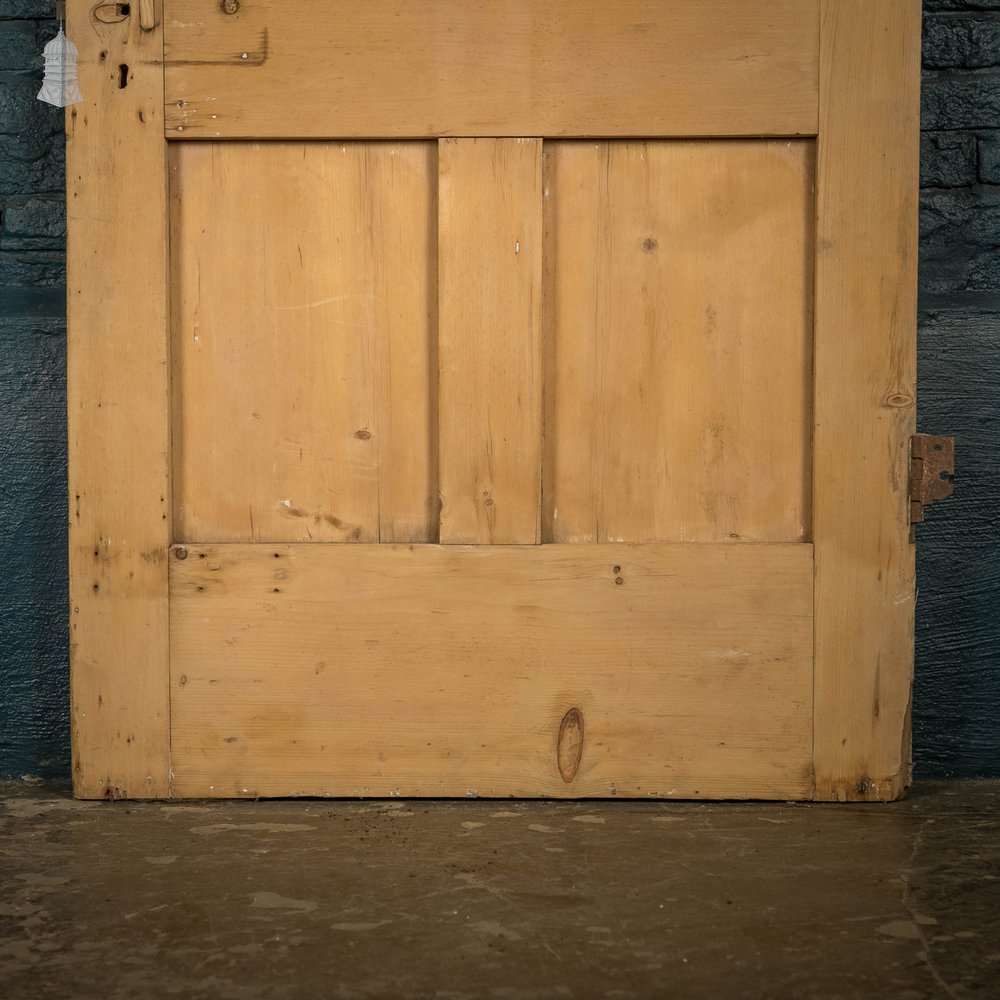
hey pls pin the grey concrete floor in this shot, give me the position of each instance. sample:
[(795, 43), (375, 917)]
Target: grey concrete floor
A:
[(504, 900)]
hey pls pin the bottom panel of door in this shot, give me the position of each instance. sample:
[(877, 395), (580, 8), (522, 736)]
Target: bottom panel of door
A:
[(680, 670)]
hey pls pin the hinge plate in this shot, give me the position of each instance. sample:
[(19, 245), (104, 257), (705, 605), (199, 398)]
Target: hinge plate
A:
[(932, 473)]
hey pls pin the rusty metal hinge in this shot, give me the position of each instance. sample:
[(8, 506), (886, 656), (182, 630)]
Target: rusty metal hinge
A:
[(932, 473)]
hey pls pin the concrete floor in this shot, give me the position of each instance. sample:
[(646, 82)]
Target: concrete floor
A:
[(504, 900)]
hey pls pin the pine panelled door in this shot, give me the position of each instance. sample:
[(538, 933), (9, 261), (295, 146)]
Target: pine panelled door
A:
[(505, 399)]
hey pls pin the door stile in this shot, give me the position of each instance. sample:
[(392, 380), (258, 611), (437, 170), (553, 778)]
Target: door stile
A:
[(117, 404), (865, 374)]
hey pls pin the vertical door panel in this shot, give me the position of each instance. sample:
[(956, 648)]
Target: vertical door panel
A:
[(303, 390), (490, 267), (678, 333)]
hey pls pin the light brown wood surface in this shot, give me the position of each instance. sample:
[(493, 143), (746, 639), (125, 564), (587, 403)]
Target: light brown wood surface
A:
[(678, 326), (446, 670), (686, 363), (865, 395), (118, 429), (303, 286), (395, 68), (489, 339)]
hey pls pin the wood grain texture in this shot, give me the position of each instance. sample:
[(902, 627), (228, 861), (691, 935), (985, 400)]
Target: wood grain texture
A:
[(489, 339), (117, 413), (392, 68), (446, 670), (678, 328), (303, 342), (865, 395)]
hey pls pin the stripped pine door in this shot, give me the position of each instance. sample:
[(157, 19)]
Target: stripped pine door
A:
[(499, 401)]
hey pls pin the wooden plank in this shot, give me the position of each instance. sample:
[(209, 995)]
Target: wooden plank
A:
[(865, 394), (117, 412), (392, 68), (489, 340), (303, 371), (678, 293), (445, 670)]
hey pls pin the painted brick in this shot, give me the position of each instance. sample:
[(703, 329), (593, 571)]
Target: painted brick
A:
[(34, 725), (956, 698), (958, 240), (19, 46), (42, 9), (961, 101), (947, 159), (15, 90), (932, 5), (34, 224), (961, 40), (32, 303), (22, 114), (989, 159), (28, 166), (40, 268)]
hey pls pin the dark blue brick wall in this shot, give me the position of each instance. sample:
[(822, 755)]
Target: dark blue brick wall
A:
[(956, 725), (957, 692), (34, 688)]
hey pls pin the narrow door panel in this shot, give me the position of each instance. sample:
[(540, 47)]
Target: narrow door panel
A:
[(489, 302)]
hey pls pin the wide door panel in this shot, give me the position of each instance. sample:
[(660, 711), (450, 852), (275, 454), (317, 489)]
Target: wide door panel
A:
[(303, 352), (679, 330), (583, 670)]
